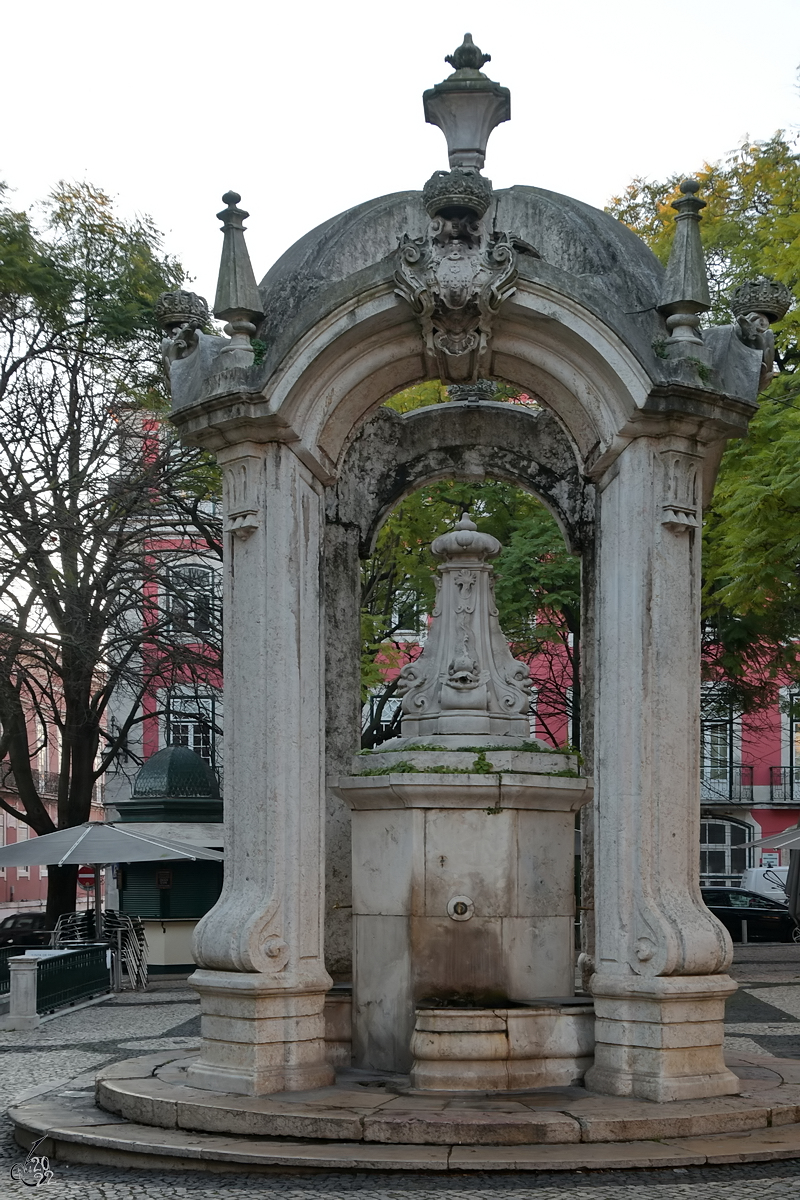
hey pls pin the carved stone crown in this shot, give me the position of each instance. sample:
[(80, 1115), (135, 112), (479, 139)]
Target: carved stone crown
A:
[(472, 393), (761, 295), (176, 308), (459, 188)]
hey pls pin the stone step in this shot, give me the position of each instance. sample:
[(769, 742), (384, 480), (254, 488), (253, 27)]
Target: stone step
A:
[(361, 1108), (91, 1136)]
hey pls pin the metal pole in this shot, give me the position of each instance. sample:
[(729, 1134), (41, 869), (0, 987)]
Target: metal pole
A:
[(117, 959), (744, 931), (98, 905)]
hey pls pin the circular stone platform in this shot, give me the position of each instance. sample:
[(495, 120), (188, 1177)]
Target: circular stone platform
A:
[(145, 1115)]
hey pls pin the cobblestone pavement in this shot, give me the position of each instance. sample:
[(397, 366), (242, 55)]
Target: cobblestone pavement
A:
[(764, 1014)]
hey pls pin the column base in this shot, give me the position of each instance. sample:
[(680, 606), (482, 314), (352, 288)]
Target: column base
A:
[(661, 1039), (258, 1039)]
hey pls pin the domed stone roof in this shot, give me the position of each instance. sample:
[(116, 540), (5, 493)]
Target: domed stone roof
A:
[(570, 246)]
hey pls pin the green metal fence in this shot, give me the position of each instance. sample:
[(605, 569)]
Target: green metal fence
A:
[(6, 953), (71, 976)]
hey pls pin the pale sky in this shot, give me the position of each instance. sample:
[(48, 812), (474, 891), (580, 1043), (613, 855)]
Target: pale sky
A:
[(309, 108)]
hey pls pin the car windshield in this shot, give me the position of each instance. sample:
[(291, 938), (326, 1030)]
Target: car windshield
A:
[(749, 900)]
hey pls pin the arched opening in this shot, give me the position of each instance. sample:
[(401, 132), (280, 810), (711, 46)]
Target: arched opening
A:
[(537, 591), (407, 476)]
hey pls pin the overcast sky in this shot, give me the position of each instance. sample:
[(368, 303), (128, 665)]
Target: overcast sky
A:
[(307, 108)]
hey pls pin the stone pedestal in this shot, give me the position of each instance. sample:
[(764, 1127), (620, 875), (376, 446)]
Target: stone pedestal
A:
[(22, 1012), (462, 890), (257, 1039), (661, 1039)]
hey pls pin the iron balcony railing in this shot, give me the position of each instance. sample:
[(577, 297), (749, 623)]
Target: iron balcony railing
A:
[(726, 785), (71, 976), (784, 785), (46, 784)]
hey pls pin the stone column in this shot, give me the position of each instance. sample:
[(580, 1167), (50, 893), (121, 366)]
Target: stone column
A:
[(659, 985), (343, 729), (261, 974)]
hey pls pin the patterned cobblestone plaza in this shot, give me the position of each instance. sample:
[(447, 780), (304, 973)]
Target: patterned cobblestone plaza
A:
[(763, 1018)]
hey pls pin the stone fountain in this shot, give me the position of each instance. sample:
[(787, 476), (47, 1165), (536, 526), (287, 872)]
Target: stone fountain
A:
[(463, 862)]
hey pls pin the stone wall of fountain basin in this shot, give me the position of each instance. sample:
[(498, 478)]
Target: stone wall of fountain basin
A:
[(546, 1044), (463, 899)]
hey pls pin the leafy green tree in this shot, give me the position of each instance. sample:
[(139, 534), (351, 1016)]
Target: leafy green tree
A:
[(751, 608), (94, 491), (537, 591)]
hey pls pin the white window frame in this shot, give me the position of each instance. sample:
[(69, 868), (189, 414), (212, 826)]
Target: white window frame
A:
[(189, 625), (189, 700)]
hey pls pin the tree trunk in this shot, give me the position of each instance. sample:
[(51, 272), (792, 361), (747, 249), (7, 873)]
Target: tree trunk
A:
[(62, 885)]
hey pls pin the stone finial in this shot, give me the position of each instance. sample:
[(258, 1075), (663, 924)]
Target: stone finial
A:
[(465, 682), (468, 56), (684, 293), (237, 300), (464, 541), (467, 106)]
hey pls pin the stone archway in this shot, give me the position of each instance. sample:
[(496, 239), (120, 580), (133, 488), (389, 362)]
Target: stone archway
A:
[(389, 457), (565, 302)]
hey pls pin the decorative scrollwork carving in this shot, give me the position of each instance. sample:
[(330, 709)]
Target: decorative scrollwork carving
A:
[(456, 278), (680, 509), (241, 493)]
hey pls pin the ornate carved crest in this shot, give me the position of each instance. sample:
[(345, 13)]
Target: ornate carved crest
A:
[(455, 278)]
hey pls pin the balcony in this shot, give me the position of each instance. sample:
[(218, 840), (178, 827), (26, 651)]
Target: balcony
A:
[(46, 784), (784, 785), (726, 785)]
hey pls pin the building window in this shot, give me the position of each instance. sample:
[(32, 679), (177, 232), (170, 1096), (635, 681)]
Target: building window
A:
[(716, 751), (191, 600), (192, 722), (23, 833), (794, 739), (723, 858), (382, 716), (724, 779)]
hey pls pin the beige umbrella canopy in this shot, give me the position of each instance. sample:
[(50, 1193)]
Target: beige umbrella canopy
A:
[(776, 841), (97, 843), (94, 844)]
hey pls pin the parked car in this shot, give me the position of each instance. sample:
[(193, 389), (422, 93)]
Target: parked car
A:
[(24, 929), (767, 920)]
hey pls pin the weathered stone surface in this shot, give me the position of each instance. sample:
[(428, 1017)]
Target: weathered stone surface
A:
[(475, 1128)]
